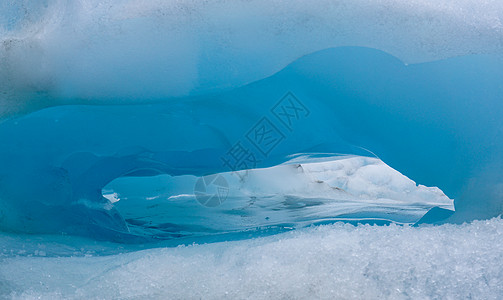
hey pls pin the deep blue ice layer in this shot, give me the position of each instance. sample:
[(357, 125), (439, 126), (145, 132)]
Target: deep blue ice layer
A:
[(438, 123), (198, 74)]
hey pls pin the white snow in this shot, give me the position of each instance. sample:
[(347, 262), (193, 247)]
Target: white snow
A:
[(337, 261)]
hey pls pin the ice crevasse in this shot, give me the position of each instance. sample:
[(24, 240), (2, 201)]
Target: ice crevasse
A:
[(97, 91)]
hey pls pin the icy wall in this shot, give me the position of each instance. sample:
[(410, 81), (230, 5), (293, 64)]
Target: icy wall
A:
[(194, 80), (60, 51), (426, 120)]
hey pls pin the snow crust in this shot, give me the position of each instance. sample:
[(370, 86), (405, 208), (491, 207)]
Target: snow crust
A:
[(333, 261)]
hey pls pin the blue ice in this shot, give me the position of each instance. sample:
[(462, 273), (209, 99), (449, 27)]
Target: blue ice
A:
[(438, 123)]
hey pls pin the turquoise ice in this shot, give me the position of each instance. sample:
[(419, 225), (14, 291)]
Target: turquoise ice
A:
[(438, 123)]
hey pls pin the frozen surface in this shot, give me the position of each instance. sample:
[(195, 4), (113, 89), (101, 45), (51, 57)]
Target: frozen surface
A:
[(301, 192), (438, 123), (117, 51), (95, 94), (332, 261)]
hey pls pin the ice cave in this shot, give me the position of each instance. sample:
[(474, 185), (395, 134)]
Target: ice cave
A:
[(256, 149)]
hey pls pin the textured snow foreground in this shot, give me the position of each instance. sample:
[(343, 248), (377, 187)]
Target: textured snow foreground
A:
[(340, 260)]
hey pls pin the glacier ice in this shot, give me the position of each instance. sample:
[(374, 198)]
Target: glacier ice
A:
[(171, 87), (115, 114), (426, 120), (120, 51), (351, 189)]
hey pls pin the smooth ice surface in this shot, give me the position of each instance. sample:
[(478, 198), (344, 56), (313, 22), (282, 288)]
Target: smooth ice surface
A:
[(103, 51), (327, 262)]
